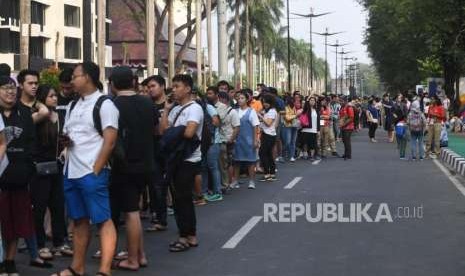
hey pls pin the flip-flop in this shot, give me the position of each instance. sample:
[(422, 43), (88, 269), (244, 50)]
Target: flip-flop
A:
[(179, 246), (71, 270), (118, 266)]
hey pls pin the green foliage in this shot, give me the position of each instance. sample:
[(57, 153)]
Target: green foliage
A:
[(49, 77)]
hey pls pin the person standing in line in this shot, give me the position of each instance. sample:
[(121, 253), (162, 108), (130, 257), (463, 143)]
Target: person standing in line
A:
[(311, 127), (335, 107), (346, 123), (372, 115), (190, 115), (89, 145), (326, 130), (247, 141), (291, 126), (416, 122), (269, 120), (436, 117), (388, 106)]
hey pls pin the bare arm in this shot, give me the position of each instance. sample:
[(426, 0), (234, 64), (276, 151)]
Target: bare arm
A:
[(235, 133), (2, 145), (42, 114), (109, 140), (191, 130)]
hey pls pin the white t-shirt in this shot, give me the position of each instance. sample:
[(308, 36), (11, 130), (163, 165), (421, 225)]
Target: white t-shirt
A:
[(314, 128), (87, 142), (2, 124), (270, 130), (193, 113), (253, 118)]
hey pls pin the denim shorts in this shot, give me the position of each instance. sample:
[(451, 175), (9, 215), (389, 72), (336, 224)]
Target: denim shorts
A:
[(88, 197)]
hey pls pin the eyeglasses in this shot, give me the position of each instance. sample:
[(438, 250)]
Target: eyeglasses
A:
[(76, 76), (8, 88)]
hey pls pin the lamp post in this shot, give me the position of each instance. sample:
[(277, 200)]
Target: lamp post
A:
[(288, 51), (326, 34), (310, 16), (342, 53), (337, 45)]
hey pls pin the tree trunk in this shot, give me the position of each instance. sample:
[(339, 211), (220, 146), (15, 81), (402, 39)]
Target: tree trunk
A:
[(247, 45), (25, 19), (171, 69), (237, 45), (198, 39), (209, 38)]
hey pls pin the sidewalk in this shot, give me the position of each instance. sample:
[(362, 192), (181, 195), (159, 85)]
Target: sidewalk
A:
[(453, 156)]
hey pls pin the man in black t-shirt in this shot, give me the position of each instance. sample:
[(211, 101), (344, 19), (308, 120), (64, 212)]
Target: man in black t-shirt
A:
[(66, 94), (133, 161)]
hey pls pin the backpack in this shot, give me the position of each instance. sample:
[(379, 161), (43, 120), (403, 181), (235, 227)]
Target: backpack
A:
[(95, 112), (416, 122), (208, 130), (118, 155)]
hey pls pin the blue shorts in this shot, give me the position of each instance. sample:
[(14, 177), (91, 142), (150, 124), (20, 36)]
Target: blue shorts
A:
[(88, 197)]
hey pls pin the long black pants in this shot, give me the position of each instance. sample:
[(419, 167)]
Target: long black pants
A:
[(372, 130), (266, 153), (47, 192), (181, 188), (346, 139)]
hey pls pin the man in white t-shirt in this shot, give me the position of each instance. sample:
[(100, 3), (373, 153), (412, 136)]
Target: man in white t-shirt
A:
[(189, 114), (86, 172)]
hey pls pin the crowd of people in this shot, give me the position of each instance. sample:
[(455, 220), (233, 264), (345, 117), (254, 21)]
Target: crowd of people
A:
[(76, 157)]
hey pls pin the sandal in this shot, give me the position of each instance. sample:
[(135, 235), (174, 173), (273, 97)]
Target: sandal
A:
[(42, 264), (156, 228), (179, 246), (101, 274), (71, 270), (123, 255), (45, 254), (117, 265)]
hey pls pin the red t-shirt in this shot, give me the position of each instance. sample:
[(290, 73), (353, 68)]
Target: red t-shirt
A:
[(347, 111), (437, 111)]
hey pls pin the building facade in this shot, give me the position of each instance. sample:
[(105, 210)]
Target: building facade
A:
[(61, 32)]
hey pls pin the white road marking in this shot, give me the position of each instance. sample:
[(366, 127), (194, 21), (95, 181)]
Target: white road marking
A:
[(236, 239), (452, 179), (293, 183)]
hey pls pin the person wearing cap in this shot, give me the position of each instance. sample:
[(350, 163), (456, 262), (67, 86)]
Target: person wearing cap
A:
[(132, 170), (255, 103), (86, 173), (17, 139)]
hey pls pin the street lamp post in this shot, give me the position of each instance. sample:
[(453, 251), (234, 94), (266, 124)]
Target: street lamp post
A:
[(326, 34), (342, 53), (288, 50), (336, 46), (311, 16)]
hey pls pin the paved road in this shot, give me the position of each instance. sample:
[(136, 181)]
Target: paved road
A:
[(432, 245)]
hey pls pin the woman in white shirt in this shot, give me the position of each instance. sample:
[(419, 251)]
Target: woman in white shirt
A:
[(311, 128), (269, 119)]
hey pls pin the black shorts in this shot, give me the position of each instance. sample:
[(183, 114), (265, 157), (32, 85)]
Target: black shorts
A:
[(126, 191)]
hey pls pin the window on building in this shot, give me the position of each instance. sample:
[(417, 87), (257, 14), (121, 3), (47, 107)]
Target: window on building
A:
[(72, 16), (14, 42), (37, 47), (72, 48), (37, 13)]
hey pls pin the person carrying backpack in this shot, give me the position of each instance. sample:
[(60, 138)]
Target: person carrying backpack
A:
[(416, 122)]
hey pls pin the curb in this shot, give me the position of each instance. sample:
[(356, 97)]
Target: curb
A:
[(454, 161)]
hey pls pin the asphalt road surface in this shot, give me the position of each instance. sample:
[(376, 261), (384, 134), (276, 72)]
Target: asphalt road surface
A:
[(235, 240)]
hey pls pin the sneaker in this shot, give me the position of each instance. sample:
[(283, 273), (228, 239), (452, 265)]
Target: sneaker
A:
[(265, 178), (169, 211), (273, 177), (421, 159), (62, 251), (235, 185), (214, 197), (292, 159), (251, 185), (200, 201)]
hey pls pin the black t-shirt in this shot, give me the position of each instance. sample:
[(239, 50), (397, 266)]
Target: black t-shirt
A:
[(62, 103), (19, 133), (135, 130)]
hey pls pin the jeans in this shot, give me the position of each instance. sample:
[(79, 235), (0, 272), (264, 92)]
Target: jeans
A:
[(266, 153), (212, 165), (32, 247), (158, 194), (402, 145), (417, 144), (290, 138)]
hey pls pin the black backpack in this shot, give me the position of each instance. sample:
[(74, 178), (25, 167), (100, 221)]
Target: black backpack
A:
[(118, 155), (208, 130)]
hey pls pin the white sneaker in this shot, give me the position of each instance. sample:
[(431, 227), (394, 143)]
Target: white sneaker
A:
[(292, 159), (251, 185), (235, 185)]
